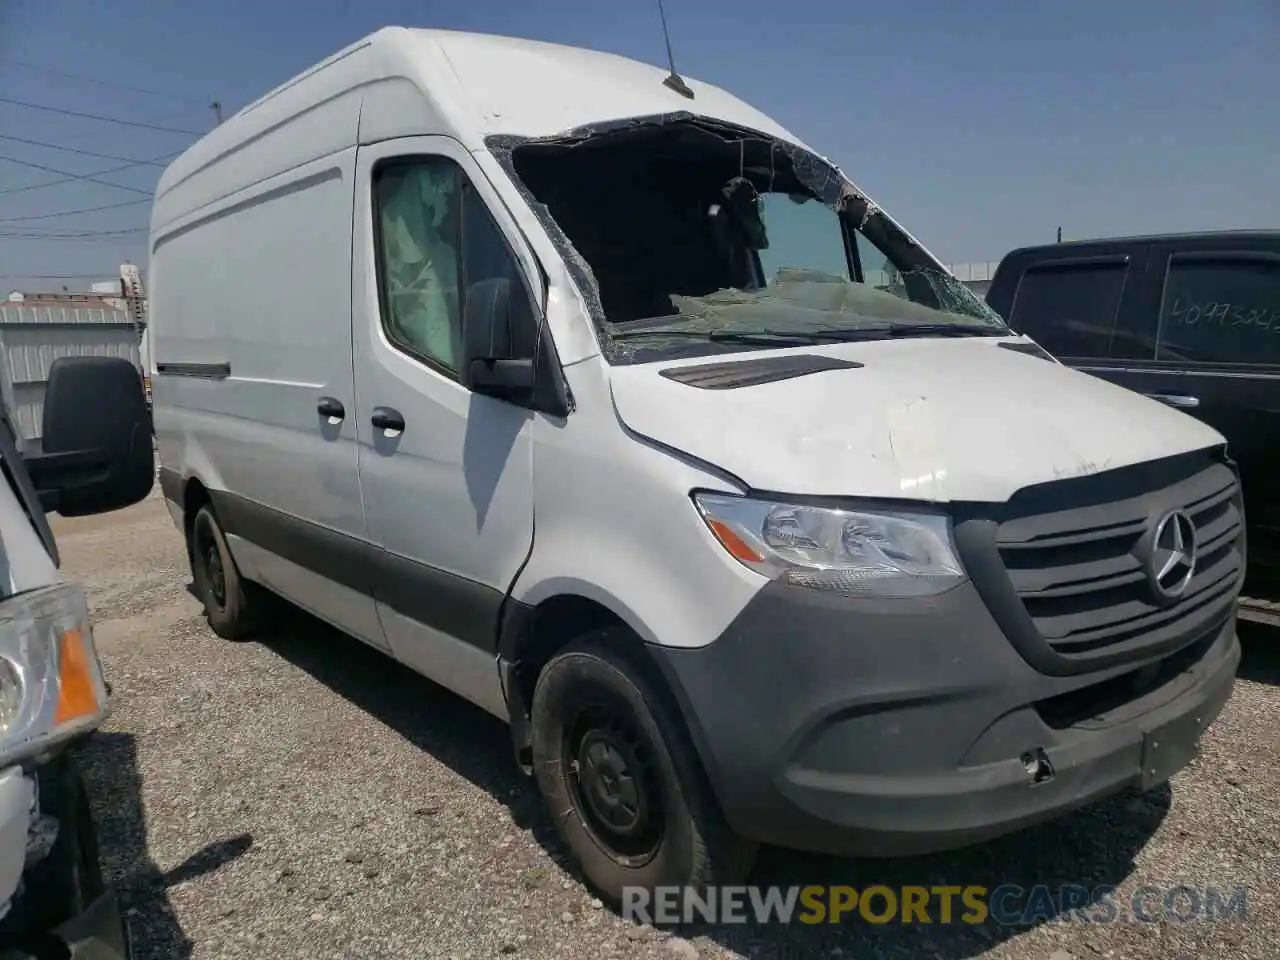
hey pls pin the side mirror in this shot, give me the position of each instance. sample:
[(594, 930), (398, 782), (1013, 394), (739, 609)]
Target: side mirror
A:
[(96, 445), (487, 342)]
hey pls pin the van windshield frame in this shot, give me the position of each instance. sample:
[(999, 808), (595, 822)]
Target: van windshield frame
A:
[(854, 271)]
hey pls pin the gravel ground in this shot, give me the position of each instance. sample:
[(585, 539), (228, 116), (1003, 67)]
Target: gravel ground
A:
[(306, 797)]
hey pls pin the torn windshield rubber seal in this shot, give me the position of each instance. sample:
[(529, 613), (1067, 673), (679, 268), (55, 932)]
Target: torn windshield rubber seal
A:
[(818, 175)]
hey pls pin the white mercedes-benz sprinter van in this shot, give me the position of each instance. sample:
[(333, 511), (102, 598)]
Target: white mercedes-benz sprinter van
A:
[(607, 403)]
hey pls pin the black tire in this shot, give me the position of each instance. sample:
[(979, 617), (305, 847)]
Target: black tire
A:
[(232, 605), (595, 713)]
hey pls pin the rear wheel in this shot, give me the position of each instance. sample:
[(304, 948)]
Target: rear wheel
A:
[(233, 606), (617, 769)]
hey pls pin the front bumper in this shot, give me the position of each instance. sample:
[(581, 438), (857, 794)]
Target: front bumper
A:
[(99, 933), (885, 728), (60, 907)]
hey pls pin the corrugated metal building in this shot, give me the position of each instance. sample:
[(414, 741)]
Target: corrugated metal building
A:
[(37, 330)]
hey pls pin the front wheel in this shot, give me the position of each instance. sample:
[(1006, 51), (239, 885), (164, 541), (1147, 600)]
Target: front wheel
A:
[(618, 772)]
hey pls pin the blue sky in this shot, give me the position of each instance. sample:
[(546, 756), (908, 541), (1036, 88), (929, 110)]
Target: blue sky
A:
[(980, 125)]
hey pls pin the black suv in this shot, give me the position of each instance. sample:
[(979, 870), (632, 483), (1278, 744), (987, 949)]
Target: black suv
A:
[(1192, 320)]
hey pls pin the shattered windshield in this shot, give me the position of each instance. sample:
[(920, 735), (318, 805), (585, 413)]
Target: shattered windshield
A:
[(692, 238)]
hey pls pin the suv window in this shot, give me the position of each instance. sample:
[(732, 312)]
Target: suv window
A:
[(435, 238), (1070, 308), (1221, 309)]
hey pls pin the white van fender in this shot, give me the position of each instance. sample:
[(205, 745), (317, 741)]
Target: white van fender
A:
[(614, 523), (187, 460)]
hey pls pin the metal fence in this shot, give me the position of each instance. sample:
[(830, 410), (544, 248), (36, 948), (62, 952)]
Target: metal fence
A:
[(32, 336)]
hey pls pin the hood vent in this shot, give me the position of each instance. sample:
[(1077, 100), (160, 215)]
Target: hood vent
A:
[(752, 373)]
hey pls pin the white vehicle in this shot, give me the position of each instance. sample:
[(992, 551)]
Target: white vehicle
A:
[(96, 457), (626, 416)]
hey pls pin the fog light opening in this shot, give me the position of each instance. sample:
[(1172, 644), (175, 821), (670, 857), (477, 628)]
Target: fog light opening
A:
[(1036, 764)]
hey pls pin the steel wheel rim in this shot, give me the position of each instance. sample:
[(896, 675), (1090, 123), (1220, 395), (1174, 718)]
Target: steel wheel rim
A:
[(615, 786)]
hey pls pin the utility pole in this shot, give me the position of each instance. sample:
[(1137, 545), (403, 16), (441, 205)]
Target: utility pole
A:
[(216, 107)]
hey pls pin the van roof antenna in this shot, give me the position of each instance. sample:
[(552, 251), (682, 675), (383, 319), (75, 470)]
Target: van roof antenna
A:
[(673, 79)]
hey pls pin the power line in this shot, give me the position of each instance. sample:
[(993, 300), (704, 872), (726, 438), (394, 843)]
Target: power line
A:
[(87, 235), (27, 232), (158, 161), (88, 178), (19, 238), (163, 118), (103, 83), (71, 213), (98, 116), (51, 276), (72, 179), (68, 231), (60, 180)]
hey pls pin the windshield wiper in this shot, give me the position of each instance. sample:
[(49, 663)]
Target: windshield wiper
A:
[(946, 330), (878, 332), (767, 338)]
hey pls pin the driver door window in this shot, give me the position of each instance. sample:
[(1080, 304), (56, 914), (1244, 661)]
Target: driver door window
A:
[(436, 237), (418, 215)]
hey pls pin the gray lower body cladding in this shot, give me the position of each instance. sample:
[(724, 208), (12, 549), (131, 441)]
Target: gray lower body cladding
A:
[(884, 728)]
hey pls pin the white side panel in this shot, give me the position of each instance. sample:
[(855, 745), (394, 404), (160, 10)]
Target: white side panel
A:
[(616, 525), (340, 606), (298, 124), (262, 286), (252, 272), (465, 669), (397, 107)]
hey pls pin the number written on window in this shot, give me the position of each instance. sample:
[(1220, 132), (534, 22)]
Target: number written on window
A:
[(1221, 311)]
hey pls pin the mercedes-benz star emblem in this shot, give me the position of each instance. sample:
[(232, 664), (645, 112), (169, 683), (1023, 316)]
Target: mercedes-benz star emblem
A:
[(1173, 554)]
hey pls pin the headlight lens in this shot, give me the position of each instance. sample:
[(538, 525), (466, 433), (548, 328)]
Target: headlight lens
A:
[(10, 695), (857, 552), (51, 685)]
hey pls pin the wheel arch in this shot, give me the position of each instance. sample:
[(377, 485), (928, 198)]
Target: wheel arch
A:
[(532, 634)]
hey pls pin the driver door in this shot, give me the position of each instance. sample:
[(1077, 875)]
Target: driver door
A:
[(446, 474)]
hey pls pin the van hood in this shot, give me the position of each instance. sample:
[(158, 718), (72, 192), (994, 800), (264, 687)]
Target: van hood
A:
[(923, 419)]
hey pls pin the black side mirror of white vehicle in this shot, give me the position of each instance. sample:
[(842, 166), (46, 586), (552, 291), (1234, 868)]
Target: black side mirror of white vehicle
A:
[(96, 452), (488, 347)]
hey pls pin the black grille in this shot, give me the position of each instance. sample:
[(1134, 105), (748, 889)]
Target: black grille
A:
[(1076, 558)]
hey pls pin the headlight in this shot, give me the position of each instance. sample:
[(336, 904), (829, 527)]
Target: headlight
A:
[(857, 552), (51, 685)]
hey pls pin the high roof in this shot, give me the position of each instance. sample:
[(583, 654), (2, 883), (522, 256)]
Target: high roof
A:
[(478, 84)]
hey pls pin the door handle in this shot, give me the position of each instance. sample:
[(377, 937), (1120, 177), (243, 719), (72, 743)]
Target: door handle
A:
[(1176, 400), (388, 419), (331, 408)]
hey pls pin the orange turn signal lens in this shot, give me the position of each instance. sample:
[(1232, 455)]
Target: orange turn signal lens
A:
[(733, 543), (76, 694)]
